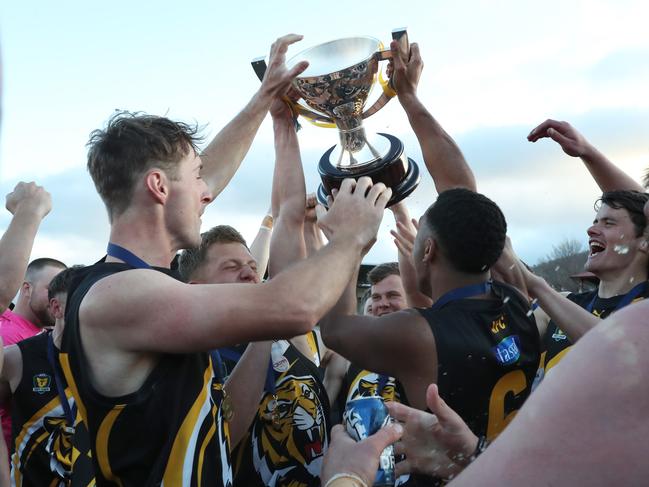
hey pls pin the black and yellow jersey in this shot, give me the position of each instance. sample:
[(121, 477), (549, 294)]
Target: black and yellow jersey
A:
[(555, 342), (289, 436), (169, 432), (359, 382), (46, 448), (487, 354)]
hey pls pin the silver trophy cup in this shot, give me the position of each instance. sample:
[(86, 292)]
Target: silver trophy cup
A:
[(335, 88)]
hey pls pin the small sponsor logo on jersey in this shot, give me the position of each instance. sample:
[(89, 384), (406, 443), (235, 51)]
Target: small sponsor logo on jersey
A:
[(281, 365), (507, 351), (42, 383), (559, 335), (280, 362), (498, 325)]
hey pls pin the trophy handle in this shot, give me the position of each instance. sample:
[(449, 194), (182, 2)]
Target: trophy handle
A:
[(400, 35), (259, 66)]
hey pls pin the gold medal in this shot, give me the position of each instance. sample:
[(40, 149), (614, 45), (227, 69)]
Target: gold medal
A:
[(226, 407)]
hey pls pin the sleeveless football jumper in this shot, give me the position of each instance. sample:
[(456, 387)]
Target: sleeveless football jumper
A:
[(169, 432)]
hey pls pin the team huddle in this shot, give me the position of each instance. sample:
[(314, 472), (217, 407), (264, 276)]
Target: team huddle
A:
[(189, 359)]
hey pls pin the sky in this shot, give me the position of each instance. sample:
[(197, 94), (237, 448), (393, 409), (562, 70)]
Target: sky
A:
[(493, 70)]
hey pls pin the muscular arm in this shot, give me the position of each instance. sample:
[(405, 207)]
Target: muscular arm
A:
[(29, 204), (607, 175), (398, 344), (442, 156), (288, 196), (224, 154), (177, 317), (245, 386), (574, 320), (563, 421), (286, 246)]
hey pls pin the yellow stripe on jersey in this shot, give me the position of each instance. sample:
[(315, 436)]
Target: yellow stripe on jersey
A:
[(556, 359), (173, 475), (64, 360), (35, 444), (201, 455), (101, 444), (38, 416)]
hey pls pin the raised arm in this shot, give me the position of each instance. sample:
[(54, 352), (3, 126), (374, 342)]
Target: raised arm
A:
[(289, 193), (177, 317), (260, 246), (574, 320), (394, 344), (224, 154), (607, 175), (442, 156), (29, 204), (313, 238)]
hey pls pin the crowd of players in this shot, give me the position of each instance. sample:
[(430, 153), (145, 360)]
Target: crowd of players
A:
[(183, 359)]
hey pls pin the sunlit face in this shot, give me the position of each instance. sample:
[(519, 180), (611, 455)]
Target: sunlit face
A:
[(39, 302), (228, 263), (388, 296), (612, 242), (188, 197)]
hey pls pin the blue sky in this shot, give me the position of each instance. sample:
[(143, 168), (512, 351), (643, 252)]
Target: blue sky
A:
[(493, 70)]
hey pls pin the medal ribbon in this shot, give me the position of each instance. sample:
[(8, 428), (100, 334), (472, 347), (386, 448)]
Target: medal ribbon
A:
[(462, 293), (59, 382), (127, 256), (626, 300), (233, 355)]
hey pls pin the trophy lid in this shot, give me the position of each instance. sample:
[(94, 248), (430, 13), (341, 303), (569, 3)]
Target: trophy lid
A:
[(336, 55)]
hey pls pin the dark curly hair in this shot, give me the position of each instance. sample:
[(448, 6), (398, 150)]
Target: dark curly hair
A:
[(130, 145), (469, 228)]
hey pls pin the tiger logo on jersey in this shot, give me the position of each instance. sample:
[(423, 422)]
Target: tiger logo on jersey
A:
[(291, 433), (366, 384), (59, 445)]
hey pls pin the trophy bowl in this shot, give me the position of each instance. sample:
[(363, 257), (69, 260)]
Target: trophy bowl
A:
[(334, 90)]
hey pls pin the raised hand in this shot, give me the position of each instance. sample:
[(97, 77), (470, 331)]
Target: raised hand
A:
[(571, 141), (29, 197), (277, 79), (405, 72), (356, 212), (438, 444), (404, 237), (347, 457)]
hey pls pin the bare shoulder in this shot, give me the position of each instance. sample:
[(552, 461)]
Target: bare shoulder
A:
[(124, 294), (12, 366)]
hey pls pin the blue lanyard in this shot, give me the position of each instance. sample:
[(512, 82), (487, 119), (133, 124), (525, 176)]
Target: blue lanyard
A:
[(462, 293), (127, 256), (59, 382), (626, 300), (233, 355)]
